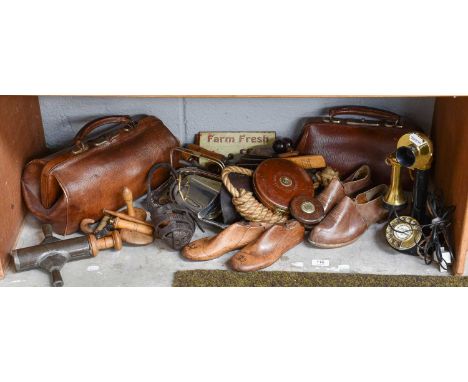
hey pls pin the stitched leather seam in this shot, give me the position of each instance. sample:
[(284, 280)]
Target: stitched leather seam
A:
[(67, 204), (46, 183)]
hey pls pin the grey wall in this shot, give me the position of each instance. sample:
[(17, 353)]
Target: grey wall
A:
[(64, 116)]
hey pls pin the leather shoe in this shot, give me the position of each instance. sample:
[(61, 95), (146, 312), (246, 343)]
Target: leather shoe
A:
[(269, 247), (337, 190), (350, 219), (332, 195), (235, 236)]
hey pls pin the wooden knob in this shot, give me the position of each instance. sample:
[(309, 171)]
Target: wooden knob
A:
[(128, 197), (112, 241), (133, 226)]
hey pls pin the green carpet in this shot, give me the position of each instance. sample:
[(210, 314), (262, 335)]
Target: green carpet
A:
[(218, 278)]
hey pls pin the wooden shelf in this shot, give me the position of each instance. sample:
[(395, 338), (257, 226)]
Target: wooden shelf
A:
[(22, 137)]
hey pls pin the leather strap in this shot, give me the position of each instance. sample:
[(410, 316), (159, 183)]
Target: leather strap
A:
[(364, 111), (90, 126), (48, 182), (149, 178)]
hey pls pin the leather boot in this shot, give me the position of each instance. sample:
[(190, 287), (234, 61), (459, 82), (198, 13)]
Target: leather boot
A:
[(350, 219), (269, 247), (235, 236)]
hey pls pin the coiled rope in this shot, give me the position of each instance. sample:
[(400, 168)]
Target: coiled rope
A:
[(246, 203)]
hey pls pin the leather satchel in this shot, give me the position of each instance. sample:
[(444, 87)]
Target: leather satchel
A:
[(79, 181), (348, 143)]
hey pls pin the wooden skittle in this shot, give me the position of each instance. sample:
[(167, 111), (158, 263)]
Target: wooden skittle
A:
[(130, 232)]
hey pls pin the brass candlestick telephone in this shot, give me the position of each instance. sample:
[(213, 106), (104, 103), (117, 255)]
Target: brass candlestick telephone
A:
[(414, 151)]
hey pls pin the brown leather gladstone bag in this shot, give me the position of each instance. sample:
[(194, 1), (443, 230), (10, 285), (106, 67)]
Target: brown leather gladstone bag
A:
[(348, 143), (81, 180)]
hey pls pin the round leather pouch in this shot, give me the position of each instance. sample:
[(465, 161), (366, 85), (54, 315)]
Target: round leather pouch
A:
[(276, 181)]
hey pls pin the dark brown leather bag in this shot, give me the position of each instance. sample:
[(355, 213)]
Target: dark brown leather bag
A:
[(79, 181), (348, 143)]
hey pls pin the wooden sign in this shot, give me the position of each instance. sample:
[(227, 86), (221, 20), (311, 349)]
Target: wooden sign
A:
[(232, 142)]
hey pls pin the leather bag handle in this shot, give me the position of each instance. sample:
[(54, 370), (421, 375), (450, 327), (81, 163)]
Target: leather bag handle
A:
[(151, 172), (90, 126), (364, 111)]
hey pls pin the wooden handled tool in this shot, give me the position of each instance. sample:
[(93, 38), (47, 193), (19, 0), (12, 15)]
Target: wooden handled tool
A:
[(126, 235), (131, 223), (139, 234)]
